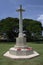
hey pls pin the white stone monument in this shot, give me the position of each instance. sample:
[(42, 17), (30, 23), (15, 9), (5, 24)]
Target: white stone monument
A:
[(21, 50)]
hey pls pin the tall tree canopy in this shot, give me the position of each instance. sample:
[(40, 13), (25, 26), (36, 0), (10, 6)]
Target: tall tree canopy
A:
[(32, 25), (28, 24), (8, 23)]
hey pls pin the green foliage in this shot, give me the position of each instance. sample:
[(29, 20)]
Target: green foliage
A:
[(32, 25), (42, 28), (8, 24)]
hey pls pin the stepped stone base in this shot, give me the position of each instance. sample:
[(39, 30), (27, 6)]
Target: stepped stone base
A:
[(34, 54), (21, 50)]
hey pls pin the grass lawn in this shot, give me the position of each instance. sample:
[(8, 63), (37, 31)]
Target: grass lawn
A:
[(34, 61)]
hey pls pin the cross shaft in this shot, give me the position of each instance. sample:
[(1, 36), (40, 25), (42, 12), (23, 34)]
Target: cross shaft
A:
[(20, 21)]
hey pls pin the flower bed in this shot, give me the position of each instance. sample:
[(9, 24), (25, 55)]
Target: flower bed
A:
[(28, 48), (19, 49)]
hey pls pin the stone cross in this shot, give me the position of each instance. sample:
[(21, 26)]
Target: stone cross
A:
[(20, 21), (21, 50)]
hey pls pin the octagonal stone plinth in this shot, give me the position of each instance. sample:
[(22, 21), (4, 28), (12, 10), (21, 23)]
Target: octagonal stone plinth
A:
[(14, 54), (20, 52)]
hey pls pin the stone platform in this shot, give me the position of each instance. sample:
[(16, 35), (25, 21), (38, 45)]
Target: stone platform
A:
[(21, 50), (21, 53)]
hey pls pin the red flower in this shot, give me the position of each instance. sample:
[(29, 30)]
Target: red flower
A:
[(19, 49), (29, 48)]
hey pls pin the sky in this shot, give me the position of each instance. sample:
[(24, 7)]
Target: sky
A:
[(33, 9)]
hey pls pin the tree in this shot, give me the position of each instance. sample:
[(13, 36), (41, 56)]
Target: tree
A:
[(7, 25), (32, 25)]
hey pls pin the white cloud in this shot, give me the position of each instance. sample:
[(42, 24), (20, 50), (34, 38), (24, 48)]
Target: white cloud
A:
[(40, 18)]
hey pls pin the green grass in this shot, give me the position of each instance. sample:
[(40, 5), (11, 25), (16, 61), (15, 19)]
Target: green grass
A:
[(34, 61)]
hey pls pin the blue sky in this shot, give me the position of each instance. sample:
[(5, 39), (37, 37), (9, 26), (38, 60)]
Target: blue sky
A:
[(34, 9)]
